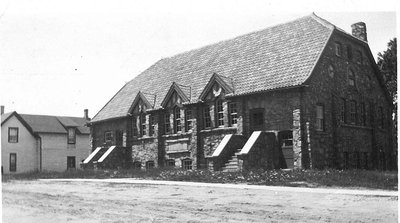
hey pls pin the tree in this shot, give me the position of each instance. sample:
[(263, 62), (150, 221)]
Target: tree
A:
[(387, 63)]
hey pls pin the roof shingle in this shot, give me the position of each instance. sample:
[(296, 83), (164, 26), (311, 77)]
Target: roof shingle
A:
[(276, 57)]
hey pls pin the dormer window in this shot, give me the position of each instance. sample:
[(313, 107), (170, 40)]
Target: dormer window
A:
[(220, 113), (338, 49), (177, 120), (206, 117), (71, 136), (352, 78), (143, 124)]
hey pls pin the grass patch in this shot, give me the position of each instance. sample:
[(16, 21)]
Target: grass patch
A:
[(305, 178)]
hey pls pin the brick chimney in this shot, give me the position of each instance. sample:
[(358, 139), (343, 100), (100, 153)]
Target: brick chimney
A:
[(1, 109), (86, 114), (359, 30)]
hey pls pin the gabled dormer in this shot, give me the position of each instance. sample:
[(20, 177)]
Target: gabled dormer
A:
[(142, 123), (176, 96), (217, 87), (141, 104)]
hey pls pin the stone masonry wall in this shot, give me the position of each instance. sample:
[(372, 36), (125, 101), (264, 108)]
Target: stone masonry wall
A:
[(330, 89)]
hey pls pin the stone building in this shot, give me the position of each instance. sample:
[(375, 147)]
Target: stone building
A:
[(304, 94)]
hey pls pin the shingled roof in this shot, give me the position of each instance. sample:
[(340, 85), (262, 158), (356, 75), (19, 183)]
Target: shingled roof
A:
[(49, 124), (277, 57)]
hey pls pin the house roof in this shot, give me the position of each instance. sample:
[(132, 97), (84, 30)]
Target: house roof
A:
[(277, 57), (49, 124)]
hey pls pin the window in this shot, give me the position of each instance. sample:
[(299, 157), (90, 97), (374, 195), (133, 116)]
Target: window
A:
[(220, 113), (353, 112), (286, 138), (12, 135), (149, 165), (167, 124), (331, 71), (188, 119), (142, 125), (320, 118), (187, 164), (71, 162), (13, 162), (362, 114), (338, 49), (177, 120), (207, 117), (170, 163), (343, 110), (152, 124), (349, 52), (108, 136), (233, 116), (135, 131), (137, 165), (359, 57), (352, 79), (71, 136), (381, 117)]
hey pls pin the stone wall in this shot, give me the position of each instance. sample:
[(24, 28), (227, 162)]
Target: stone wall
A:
[(329, 89)]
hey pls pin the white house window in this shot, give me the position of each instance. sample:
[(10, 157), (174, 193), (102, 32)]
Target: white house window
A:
[(12, 135), (220, 113), (233, 116), (177, 120), (13, 162), (320, 118), (188, 118), (207, 117), (71, 136)]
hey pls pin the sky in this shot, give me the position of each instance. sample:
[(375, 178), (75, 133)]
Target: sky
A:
[(60, 57)]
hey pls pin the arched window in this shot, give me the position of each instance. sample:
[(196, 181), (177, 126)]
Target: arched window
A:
[(177, 120)]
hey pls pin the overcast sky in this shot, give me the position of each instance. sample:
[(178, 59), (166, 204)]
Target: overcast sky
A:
[(59, 57)]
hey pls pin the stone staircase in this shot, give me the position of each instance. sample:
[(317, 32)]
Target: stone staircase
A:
[(94, 157), (233, 163)]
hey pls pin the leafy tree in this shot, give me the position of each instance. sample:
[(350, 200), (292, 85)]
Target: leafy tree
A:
[(387, 63)]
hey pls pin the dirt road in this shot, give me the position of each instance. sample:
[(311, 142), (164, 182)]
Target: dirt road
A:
[(74, 201)]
